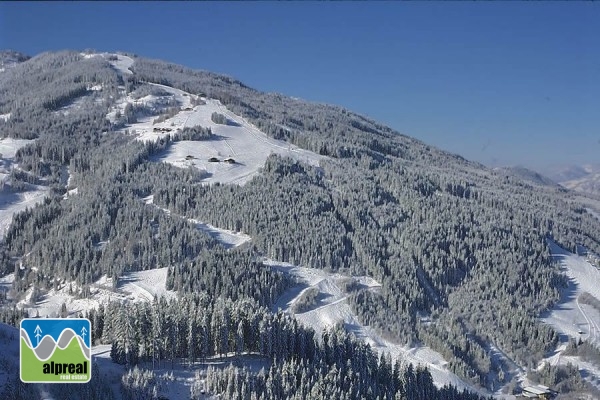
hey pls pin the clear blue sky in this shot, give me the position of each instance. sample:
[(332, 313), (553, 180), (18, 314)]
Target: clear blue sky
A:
[(501, 83)]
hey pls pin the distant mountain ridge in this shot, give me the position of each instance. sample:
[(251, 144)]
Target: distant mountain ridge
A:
[(10, 57), (582, 178), (527, 175)]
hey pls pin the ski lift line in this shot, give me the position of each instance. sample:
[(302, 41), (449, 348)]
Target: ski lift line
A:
[(589, 323)]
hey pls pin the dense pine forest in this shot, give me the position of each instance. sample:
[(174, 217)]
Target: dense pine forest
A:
[(461, 251)]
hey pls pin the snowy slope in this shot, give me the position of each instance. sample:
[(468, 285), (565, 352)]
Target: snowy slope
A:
[(570, 316), (14, 202), (240, 140), (227, 238), (134, 286), (332, 307), (119, 62)]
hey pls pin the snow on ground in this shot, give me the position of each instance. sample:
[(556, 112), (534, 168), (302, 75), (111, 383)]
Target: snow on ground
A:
[(84, 101), (121, 63), (133, 286), (332, 307), (12, 203), (7, 281), (240, 140), (5, 117), (9, 146), (175, 383), (144, 285), (570, 316), (227, 238)]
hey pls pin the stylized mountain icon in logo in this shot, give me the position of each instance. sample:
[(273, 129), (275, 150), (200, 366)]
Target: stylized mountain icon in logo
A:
[(55, 350), (47, 345)]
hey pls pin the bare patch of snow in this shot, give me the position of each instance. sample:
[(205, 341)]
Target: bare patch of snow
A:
[(12, 203), (133, 286), (5, 117), (9, 146), (122, 63), (145, 285), (224, 236), (570, 316), (239, 140)]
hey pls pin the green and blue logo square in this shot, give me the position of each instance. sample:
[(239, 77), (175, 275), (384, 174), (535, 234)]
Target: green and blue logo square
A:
[(55, 350)]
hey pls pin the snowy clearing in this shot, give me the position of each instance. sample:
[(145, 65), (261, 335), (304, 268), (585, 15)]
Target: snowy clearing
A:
[(5, 117), (134, 286), (12, 203), (9, 146), (239, 139), (332, 307), (175, 383), (119, 62), (570, 316)]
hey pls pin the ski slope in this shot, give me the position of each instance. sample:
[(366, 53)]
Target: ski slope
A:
[(332, 308), (14, 202), (570, 316), (133, 287), (240, 140), (118, 61), (226, 237)]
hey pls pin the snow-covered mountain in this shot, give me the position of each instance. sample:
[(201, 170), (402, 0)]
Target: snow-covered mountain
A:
[(581, 178), (199, 223)]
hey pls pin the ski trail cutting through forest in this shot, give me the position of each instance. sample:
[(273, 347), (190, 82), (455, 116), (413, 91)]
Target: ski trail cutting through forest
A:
[(332, 307), (569, 316), (229, 239)]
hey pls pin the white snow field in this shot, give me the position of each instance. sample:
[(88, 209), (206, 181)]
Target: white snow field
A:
[(121, 64), (133, 286), (573, 318), (332, 308), (9, 146), (14, 202), (240, 140), (570, 316)]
